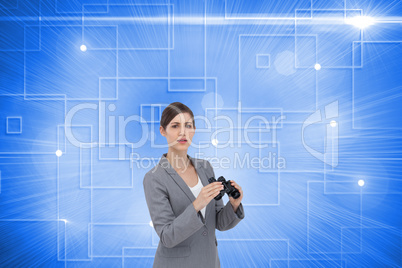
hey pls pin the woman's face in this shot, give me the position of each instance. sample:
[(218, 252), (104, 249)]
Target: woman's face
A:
[(180, 128)]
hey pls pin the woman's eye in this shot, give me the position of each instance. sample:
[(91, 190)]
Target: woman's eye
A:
[(190, 126)]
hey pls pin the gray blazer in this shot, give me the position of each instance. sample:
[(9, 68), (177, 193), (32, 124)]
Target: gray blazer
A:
[(186, 238)]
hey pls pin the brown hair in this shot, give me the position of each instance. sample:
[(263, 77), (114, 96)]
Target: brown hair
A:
[(172, 110)]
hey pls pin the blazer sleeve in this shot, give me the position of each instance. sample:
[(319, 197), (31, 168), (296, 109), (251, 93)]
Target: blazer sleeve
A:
[(226, 218), (171, 230)]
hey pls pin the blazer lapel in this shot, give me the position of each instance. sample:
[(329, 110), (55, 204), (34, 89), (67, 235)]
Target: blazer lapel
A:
[(164, 163)]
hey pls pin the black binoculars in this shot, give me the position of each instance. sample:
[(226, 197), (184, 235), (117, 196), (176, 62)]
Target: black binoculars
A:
[(227, 188)]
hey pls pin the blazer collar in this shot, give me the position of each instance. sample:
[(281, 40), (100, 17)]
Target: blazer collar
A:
[(198, 165)]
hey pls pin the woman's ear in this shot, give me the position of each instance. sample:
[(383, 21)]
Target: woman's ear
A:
[(162, 131)]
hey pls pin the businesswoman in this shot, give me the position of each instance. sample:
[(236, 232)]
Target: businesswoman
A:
[(181, 202)]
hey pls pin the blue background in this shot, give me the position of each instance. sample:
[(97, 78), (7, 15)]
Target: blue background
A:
[(234, 58)]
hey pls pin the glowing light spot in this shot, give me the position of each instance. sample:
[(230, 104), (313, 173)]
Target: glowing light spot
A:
[(317, 66), (361, 182), (151, 224), (83, 48), (215, 142), (333, 123), (59, 153), (360, 21)]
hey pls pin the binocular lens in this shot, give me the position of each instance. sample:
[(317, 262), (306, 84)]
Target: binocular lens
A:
[(227, 188)]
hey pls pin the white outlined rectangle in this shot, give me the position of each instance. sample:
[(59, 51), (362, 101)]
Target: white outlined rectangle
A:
[(9, 129), (263, 61), (372, 109)]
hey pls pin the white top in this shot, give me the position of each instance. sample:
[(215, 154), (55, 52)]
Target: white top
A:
[(196, 191)]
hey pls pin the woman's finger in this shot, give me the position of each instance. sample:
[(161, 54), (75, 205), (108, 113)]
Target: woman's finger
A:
[(236, 185), (212, 188)]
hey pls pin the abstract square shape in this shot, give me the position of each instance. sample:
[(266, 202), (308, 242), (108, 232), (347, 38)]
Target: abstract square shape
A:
[(14, 125), (11, 72), (376, 87), (263, 61)]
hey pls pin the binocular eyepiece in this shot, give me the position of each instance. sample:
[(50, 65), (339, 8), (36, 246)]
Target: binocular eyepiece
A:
[(227, 188)]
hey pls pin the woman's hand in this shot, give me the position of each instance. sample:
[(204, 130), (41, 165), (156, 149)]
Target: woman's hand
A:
[(207, 193), (236, 202)]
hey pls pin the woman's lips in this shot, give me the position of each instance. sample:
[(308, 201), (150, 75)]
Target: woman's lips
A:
[(184, 141)]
